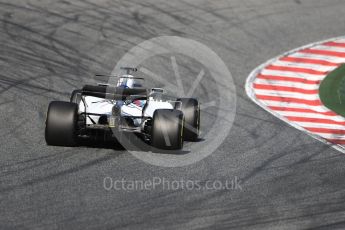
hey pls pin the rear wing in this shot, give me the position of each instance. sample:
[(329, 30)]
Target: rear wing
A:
[(122, 79), (130, 77), (128, 70), (113, 93)]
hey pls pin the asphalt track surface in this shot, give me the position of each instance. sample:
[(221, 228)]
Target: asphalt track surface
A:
[(48, 48)]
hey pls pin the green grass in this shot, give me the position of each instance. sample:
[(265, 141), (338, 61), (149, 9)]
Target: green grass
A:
[(332, 91)]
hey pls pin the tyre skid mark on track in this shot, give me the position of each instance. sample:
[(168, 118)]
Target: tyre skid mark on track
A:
[(287, 87)]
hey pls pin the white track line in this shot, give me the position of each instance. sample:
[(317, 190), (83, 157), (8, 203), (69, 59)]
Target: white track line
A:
[(303, 65), (292, 74), (284, 83), (318, 57)]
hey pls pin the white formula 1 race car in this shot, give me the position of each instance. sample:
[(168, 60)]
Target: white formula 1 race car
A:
[(127, 110)]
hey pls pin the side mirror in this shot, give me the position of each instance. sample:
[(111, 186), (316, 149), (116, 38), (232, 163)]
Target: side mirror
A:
[(157, 90)]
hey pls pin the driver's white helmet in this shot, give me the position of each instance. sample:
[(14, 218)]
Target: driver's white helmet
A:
[(128, 81)]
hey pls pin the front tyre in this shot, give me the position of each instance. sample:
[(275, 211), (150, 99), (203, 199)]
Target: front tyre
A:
[(191, 111), (167, 129), (76, 96), (61, 124)]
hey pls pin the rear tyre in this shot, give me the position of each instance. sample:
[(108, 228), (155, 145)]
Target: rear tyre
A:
[(61, 124), (191, 111), (167, 129)]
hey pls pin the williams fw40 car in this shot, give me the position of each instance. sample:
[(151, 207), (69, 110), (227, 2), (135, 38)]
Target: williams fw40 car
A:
[(125, 112)]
